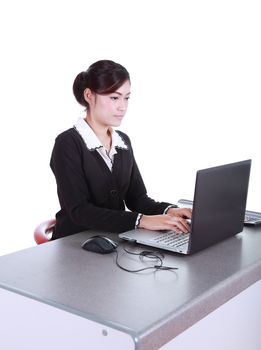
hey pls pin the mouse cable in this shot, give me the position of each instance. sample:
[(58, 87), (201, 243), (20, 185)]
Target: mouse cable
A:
[(151, 255)]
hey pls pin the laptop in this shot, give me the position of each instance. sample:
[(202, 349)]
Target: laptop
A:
[(218, 211)]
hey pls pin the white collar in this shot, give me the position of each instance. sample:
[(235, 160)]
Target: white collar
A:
[(91, 140)]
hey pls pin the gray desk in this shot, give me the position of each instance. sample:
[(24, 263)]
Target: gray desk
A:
[(76, 299)]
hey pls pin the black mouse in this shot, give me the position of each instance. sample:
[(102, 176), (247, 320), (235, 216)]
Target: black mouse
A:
[(100, 244)]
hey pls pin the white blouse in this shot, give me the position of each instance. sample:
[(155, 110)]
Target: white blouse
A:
[(93, 143)]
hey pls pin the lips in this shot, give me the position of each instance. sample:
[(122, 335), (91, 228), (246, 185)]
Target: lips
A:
[(119, 117)]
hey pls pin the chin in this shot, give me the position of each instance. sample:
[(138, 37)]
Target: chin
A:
[(116, 122)]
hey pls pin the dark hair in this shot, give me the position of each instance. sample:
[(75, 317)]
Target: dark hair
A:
[(102, 77)]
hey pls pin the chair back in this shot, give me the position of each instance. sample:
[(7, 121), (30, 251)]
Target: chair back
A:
[(43, 232)]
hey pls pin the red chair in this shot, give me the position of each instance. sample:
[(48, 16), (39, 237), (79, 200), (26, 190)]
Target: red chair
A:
[(43, 232)]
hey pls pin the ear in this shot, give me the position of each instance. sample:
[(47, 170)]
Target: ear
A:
[(88, 96)]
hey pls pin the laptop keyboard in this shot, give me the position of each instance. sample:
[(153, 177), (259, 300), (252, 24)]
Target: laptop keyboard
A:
[(172, 239), (254, 218), (251, 217)]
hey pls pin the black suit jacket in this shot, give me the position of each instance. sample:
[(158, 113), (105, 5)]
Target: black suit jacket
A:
[(93, 197)]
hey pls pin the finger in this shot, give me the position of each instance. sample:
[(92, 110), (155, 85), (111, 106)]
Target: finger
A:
[(181, 225), (187, 213), (184, 225)]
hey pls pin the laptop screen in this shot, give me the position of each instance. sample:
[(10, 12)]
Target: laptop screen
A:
[(219, 203)]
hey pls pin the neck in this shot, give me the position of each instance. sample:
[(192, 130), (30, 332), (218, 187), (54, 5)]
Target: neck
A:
[(103, 132)]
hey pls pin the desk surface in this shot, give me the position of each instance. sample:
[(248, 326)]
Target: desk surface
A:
[(153, 307)]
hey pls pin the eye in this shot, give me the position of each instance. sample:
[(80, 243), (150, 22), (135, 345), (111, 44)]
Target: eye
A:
[(114, 98), (127, 98)]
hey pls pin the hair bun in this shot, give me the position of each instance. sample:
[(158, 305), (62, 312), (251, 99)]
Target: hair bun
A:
[(79, 85)]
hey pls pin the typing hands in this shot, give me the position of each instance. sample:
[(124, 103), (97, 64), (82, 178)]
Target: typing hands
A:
[(176, 220), (183, 216)]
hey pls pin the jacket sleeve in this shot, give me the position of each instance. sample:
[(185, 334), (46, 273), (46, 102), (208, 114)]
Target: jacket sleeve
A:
[(73, 192), (137, 199)]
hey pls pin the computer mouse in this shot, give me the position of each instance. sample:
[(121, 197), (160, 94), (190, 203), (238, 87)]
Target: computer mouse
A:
[(100, 244)]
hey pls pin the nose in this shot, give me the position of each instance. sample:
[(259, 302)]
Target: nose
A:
[(122, 106)]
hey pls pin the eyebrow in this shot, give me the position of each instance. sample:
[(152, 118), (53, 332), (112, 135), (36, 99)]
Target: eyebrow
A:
[(118, 93)]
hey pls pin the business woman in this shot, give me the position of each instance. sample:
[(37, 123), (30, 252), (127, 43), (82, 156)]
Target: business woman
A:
[(94, 166)]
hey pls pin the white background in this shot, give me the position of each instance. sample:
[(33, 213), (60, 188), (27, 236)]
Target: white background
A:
[(196, 82)]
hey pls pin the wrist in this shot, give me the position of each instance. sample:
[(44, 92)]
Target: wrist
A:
[(170, 208), (138, 220), (142, 222)]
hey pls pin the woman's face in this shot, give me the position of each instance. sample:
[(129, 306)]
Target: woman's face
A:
[(109, 110)]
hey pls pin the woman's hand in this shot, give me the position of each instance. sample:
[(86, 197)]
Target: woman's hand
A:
[(180, 212), (168, 221)]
